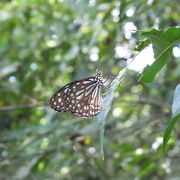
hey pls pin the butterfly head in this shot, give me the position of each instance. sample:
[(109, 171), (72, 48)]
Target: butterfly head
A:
[(98, 77), (98, 73)]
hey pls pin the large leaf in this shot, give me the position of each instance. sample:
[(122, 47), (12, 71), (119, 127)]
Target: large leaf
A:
[(162, 42), (176, 116)]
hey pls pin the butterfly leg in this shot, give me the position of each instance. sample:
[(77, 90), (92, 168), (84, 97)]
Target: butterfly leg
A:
[(107, 80), (107, 87), (113, 77)]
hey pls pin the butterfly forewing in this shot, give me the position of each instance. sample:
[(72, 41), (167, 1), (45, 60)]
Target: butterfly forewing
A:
[(87, 106), (81, 97)]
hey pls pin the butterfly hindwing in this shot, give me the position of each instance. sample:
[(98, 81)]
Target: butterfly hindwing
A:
[(58, 101)]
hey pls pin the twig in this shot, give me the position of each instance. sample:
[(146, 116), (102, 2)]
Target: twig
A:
[(22, 106), (153, 102)]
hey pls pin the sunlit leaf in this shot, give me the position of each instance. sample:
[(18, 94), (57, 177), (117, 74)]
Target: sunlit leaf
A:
[(162, 42)]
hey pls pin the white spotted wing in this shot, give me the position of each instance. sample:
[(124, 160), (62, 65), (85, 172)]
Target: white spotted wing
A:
[(81, 97)]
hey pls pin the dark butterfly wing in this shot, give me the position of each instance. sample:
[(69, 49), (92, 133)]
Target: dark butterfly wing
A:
[(81, 97), (87, 103)]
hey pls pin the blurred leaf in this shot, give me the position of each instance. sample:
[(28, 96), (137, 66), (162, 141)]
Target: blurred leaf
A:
[(176, 116), (176, 101), (162, 42), (168, 131), (25, 171)]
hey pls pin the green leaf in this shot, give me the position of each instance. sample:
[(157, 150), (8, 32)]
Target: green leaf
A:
[(118, 88), (107, 104), (162, 42), (176, 116), (168, 131)]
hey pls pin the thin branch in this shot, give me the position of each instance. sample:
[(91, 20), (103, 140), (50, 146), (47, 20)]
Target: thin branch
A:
[(22, 106), (153, 102)]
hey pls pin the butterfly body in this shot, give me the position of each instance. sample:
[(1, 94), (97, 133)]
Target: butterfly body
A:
[(82, 97)]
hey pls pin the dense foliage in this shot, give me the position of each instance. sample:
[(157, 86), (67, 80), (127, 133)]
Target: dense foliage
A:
[(45, 45)]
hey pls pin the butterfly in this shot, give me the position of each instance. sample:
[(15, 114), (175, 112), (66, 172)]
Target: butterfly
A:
[(82, 97)]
